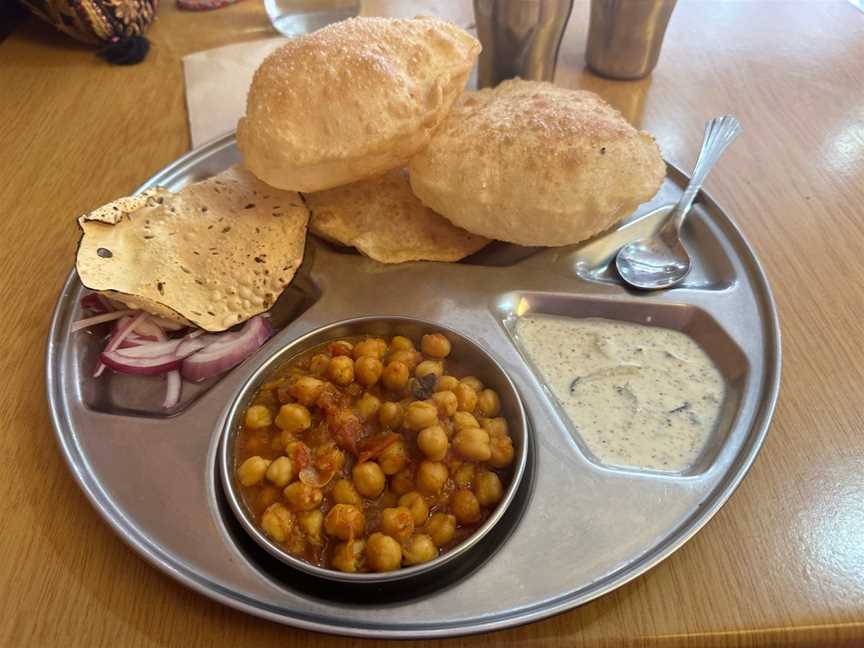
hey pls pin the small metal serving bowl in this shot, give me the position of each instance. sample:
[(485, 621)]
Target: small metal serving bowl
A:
[(467, 357)]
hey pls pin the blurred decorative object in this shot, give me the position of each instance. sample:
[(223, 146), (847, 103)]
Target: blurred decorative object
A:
[(296, 17), (203, 5), (625, 36), (109, 23), (520, 38)]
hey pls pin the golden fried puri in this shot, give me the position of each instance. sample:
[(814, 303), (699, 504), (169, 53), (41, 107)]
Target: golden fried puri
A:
[(536, 164), (385, 221), (352, 100)]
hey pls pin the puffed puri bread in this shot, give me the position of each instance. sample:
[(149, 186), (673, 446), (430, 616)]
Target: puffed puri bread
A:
[(352, 100), (535, 164)]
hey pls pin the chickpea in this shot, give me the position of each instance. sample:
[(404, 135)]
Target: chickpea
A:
[(502, 451), (390, 415), (383, 553), (465, 506), (252, 470), (494, 426), (473, 382), (302, 497), (488, 488), (340, 348), (465, 397), (393, 458), (419, 549), (409, 358), (401, 343), (318, 364), (344, 493), (446, 401), (462, 420), (368, 479), (375, 347), (488, 403), (268, 495), (280, 471), (341, 370), (421, 414), (433, 442), (368, 406), (441, 527), (472, 444), (397, 522), (402, 482), (346, 556), (277, 522), (464, 475), (329, 457), (388, 499), (310, 523), (395, 375), (429, 367), (344, 521), (435, 345), (446, 383), (431, 476), (299, 454), (306, 389), (368, 370), (415, 503), (257, 417), (293, 418)]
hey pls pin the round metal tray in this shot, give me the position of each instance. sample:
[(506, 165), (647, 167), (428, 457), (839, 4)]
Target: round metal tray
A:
[(576, 530)]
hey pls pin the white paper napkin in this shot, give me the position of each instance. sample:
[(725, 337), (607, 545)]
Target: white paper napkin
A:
[(216, 85)]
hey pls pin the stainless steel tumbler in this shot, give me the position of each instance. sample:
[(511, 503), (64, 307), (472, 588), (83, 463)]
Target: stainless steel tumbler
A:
[(625, 36), (520, 38)]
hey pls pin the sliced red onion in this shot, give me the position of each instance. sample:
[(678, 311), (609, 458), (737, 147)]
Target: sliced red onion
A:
[(173, 386), (87, 322), (144, 332), (313, 477), (134, 340), (92, 302), (142, 366), (117, 340), (180, 348), (227, 352), (167, 324)]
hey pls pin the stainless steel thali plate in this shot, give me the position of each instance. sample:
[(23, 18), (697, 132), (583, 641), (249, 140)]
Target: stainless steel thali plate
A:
[(576, 529)]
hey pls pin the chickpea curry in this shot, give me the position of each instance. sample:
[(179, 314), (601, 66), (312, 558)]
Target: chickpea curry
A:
[(368, 455)]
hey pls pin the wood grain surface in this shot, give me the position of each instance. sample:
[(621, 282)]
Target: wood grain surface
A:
[(781, 564)]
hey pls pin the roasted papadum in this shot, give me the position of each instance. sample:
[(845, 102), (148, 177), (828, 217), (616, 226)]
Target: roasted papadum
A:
[(213, 254)]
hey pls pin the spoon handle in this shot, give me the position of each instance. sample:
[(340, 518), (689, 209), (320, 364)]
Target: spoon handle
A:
[(719, 133)]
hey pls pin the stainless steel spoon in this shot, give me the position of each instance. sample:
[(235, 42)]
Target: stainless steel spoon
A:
[(661, 260)]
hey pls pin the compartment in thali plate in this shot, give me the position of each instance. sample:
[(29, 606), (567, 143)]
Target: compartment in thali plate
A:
[(594, 260), (119, 393), (641, 385)]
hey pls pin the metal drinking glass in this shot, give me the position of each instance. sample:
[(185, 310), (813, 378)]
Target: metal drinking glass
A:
[(520, 38), (625, 36)]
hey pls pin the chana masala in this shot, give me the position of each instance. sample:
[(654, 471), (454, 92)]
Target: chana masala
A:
[(368, 455)]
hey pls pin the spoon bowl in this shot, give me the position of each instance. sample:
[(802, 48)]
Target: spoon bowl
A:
[(661, 260)]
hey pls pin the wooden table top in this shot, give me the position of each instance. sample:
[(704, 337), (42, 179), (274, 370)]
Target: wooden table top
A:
[(781, 564)]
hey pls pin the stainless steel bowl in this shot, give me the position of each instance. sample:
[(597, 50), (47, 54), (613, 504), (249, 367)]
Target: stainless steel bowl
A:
[(467, 356)]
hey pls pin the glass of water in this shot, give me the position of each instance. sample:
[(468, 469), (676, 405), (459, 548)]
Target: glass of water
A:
[(295, 17)]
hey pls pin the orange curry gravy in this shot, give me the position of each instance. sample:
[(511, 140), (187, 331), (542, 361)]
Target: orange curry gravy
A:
[(345, 428)]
